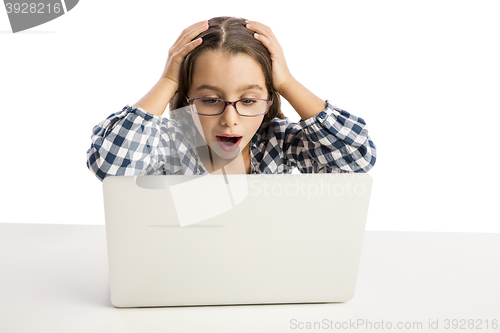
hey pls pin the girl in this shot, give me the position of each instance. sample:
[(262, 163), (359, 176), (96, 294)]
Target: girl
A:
[(223, 80)]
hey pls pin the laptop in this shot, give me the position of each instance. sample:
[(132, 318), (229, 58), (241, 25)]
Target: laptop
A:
[(186, 240)]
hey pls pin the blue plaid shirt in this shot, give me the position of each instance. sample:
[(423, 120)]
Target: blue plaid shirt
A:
[(134, 142)]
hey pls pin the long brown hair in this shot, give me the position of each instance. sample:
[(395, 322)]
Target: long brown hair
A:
[(230, 36)]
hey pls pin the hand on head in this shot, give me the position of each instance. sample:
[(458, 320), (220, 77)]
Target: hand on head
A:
[(281, 73), (181, 48)]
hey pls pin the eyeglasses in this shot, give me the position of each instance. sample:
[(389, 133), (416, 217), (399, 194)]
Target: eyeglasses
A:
[(246, 107)]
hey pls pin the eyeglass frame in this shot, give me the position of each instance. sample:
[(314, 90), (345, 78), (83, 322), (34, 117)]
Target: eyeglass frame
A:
[(226, 103)]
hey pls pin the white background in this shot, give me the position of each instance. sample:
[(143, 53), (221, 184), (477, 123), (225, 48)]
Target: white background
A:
[(424, 75)]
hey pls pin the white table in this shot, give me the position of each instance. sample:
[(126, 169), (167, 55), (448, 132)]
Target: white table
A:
[(54, 278)]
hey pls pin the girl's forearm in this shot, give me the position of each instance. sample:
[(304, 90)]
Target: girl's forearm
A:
[(157, 99), (302, 100)]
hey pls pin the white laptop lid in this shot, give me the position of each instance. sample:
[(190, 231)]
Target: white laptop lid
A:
[(180, 240)]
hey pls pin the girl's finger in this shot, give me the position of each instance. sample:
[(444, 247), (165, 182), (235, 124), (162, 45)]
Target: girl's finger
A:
[(261, 29), (175, 60), (191, 27), (188, 48), (188, 36), (267, 42), (272, 45)]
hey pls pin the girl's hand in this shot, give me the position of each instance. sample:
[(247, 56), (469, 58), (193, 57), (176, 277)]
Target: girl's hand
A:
[(181, 48), (281, 74)]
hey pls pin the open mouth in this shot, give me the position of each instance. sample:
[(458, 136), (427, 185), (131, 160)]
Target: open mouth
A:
[(228, 144), (228, 141)]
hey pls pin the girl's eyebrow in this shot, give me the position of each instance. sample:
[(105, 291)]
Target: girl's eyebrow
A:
[(242, 88)]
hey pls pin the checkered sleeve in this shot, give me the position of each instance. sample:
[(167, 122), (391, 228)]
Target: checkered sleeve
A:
[(333, 141), (128, 143)]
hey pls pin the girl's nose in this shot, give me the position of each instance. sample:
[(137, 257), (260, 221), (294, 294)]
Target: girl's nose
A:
[(230, 116)]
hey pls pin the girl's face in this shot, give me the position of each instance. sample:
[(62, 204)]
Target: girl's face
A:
[(229, 77)]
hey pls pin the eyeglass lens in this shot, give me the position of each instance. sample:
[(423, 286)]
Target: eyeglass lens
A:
[(246, 107)]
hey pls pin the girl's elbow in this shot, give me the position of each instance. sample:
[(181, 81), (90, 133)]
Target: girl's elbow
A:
[(368, 156), (95, 163)]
